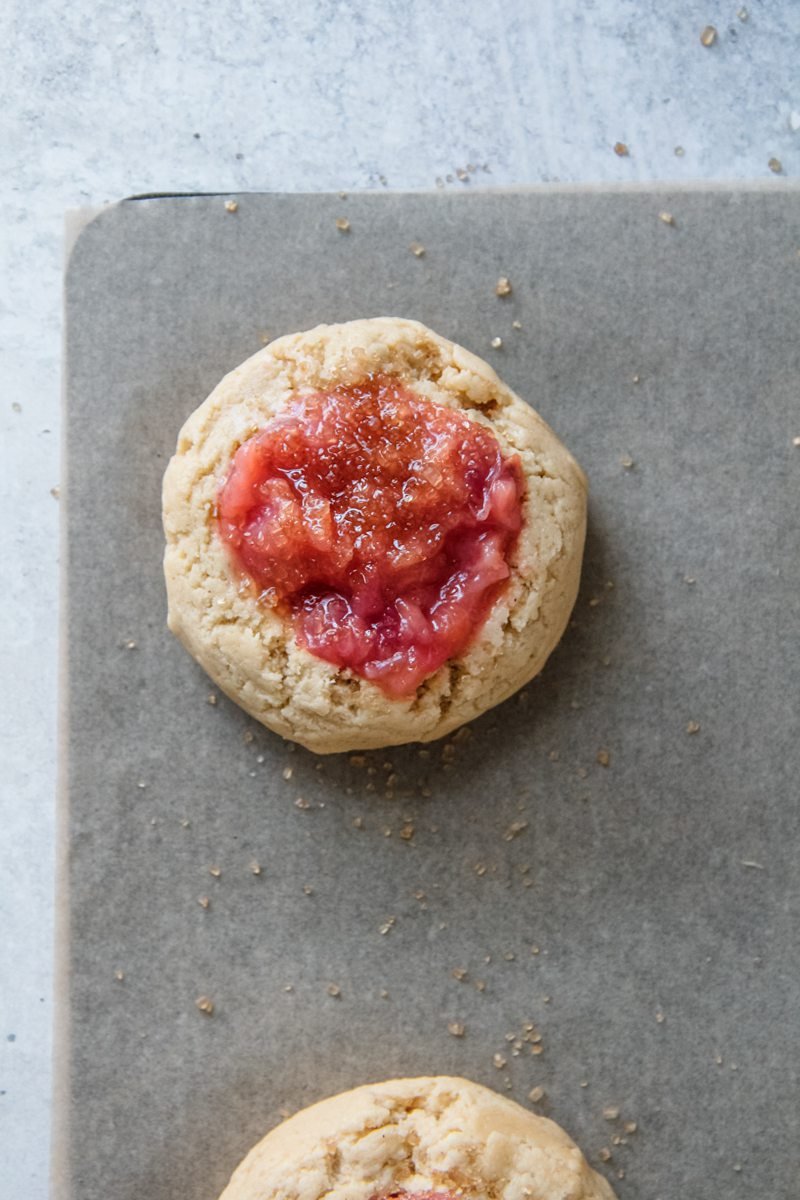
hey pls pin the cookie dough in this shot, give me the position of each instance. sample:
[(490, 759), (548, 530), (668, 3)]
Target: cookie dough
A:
[(408, 1137), (248, 646)]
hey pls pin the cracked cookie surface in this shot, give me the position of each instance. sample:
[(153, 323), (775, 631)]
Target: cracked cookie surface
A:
[(250, 650), (435, 1134)]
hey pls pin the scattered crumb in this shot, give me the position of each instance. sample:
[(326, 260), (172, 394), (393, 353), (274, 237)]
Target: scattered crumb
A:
[(604, 1155), (211, 699), (496, 343), (308, 889), (119, 976), (611, 1113), (480, 869), (660, 1018), (287, 772), (603, 757), (708, 36), (584, 1083), (131, 645), (342, 224), (516, 325), (231, 206), (755, 866), (215, 871), (480, 985), (742, 13), (679, 151), (205, 1005), (255, 867), (499, 1062), (630, 1127), (334, 990), (627, 461), (635, 378), (775, 165), (621, 150), (301, 802), (667, 218), (459, 973), (204, 901), (55, 492), (358, 822), (407, 833), (387, 925), (536, 1094), (514, 830), (417, 249), (503, 286), (693, 727), (456, 1029), (690, 579), (796, 441)]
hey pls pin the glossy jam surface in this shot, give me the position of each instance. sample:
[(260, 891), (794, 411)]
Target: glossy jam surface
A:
[(382, 521)]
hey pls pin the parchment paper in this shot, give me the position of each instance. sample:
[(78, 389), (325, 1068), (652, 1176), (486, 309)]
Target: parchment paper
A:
[(643, 916)]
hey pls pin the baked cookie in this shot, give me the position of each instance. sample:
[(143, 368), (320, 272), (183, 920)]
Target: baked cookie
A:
[(370, 538), (434, 1138)]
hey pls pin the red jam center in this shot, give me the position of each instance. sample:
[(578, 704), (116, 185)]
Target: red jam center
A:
[(382, 521)]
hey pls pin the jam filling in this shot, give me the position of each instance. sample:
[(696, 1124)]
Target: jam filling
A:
[(382, 522), (404, 1195)]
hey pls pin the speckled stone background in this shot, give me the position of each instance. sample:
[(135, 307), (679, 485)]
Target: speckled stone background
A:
[(100, 101)]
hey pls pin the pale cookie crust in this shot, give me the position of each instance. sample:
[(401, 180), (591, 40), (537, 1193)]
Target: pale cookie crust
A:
[(250, 651), (429, 1134)]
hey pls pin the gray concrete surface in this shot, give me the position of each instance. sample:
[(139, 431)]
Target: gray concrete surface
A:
[(101, 100)]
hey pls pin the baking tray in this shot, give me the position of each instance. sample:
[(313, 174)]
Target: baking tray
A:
[(641, 915)]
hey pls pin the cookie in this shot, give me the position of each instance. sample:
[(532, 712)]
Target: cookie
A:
[(370, 539), (434, 1138)]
